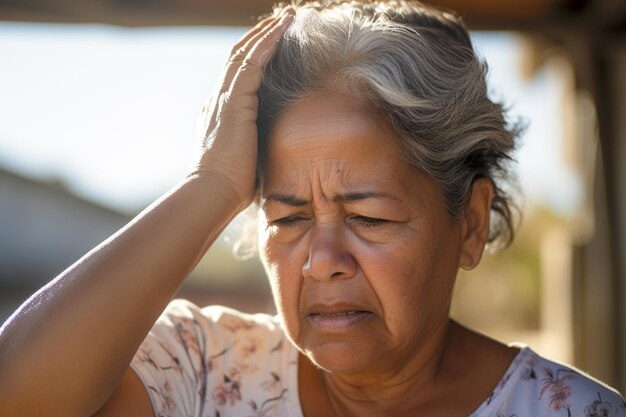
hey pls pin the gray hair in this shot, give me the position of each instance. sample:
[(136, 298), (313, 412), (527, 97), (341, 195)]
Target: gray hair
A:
[(414, 64)]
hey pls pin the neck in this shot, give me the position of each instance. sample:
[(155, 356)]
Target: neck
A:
[(409, 389)]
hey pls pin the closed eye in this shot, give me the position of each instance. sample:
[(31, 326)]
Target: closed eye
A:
[(289, 220), (368, 222)]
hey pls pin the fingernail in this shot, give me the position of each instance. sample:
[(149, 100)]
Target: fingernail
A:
[(287, 18), (287, 10)]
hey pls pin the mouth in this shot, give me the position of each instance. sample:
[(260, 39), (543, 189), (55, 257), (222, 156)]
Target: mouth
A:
[(339, 314), (338, 321)]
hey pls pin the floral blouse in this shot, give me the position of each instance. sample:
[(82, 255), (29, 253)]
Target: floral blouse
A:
[(218, 362)]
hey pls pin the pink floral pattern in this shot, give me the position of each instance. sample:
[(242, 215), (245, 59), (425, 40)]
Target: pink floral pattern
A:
[(227, 392), (217, 362), (534, 386), (195, 364), (558, 389), (599, 408)]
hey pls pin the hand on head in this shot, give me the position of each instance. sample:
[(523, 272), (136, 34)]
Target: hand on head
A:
[(229, 145)]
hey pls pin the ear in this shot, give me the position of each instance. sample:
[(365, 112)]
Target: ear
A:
[(475, 225)]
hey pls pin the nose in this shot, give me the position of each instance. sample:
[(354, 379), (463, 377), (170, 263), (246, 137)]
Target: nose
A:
[(328, 257)]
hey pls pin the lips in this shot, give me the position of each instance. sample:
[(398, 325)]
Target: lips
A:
[(337, 317), (344, 313), (336, 309)]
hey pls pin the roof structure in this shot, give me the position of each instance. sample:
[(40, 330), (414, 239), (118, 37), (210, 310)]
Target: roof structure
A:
[(480, 14)]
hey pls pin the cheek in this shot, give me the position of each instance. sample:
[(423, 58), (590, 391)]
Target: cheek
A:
[(411, 279), (285, 281)]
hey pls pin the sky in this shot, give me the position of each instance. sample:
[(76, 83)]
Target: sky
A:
[(111, 112)]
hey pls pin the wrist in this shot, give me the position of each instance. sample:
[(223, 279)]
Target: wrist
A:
[(221, 190)]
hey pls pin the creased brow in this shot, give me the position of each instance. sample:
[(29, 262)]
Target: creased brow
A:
[(294, 201), (287, 199), (357, 196)]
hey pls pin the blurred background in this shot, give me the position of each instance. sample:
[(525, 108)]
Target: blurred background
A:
[(98, 107)]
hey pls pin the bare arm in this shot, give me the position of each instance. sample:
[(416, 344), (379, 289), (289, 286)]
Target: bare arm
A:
[(65, 351)]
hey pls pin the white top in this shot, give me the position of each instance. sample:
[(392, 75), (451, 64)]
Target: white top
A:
[(218, 362)]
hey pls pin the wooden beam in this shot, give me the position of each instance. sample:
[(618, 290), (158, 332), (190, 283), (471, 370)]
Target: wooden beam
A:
[(137, 12), (478, 13), (498, 9)]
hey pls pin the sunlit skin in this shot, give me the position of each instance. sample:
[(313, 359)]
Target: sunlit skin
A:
[(361, 252)]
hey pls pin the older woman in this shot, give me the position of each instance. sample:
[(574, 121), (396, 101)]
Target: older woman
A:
[(379, 160)]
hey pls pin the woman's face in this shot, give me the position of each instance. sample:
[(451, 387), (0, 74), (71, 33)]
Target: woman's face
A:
[(360, 250)]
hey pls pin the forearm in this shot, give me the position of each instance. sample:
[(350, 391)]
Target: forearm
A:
[(71, 342), (64, 352)]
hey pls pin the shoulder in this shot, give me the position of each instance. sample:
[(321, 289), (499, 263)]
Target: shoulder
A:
[(184, 311), (565, 387), (216, 359), (212, 335), (184, 322), (536, 386)]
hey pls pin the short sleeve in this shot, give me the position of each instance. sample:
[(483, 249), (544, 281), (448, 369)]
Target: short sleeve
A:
[(170, 361), (537, 387), (217, 361)]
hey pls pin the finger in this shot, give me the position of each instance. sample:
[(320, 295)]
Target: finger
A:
[(248, 75), (243, 47), (271, 31), (251, 32), (229, 70), (238, 53)]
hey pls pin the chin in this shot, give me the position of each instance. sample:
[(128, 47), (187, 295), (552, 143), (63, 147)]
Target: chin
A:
[(339, 358)]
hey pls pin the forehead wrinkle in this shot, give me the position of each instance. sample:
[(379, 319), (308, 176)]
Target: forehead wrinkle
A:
[(337, 178), (295, 191), (342, 198), (351, 197), (317, 184), (287, 199)]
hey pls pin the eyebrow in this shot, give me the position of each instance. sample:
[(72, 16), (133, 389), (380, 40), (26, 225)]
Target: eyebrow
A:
[(294, 201), (287, 199), (364, 195)]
